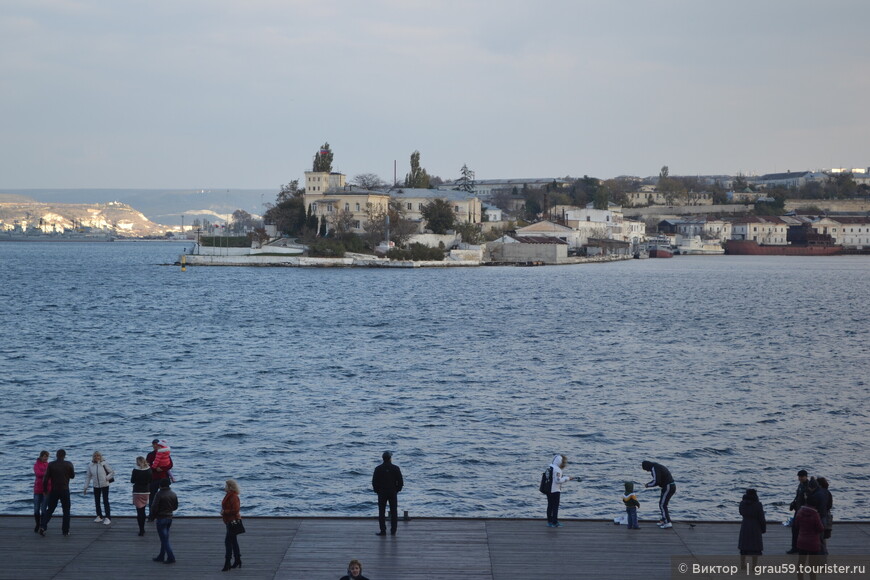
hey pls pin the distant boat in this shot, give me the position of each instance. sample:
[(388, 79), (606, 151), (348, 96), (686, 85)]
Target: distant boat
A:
[(659, 247), (802, 240), (753, 248), (694, 245)]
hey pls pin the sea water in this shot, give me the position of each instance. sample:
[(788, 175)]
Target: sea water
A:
[(733, 371)]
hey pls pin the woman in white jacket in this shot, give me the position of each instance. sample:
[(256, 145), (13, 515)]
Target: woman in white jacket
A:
[(555, 495), (102, 475)]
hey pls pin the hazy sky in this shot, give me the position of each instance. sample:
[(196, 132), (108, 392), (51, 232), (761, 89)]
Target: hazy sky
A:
[(241, 93)]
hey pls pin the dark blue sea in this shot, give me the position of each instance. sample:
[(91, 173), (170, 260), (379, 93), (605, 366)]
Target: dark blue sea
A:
[(734, 371)]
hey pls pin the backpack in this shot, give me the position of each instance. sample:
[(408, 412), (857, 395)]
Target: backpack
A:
[(547, 480)]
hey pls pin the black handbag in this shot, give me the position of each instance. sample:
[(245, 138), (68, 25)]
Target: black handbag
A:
[(236, 527), (109, 478)]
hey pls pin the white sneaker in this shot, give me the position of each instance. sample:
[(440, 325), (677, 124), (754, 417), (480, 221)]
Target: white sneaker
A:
[(98, 519), (667, 525), (107, 521)]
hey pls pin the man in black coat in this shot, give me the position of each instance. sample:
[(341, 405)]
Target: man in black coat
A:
[(662, 478), (387, 483)]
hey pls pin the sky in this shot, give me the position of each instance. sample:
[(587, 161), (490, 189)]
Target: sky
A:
[(242, 93)]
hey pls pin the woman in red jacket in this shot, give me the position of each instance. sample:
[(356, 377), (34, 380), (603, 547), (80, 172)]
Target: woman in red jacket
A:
[(230, 512), (40, 492)]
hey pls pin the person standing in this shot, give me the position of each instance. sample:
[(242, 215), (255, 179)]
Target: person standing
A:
[(800, 498), (555, 496), (230, 512), (40, 492), (57, 476), (387, 482), (141, 480), (102, 475), (629, 499), (661, 477), (160, 467), (809, 533), (826, 504), (750, 542), (165, 503)]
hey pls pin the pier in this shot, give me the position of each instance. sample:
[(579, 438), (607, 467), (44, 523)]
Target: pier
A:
[(424, 548)]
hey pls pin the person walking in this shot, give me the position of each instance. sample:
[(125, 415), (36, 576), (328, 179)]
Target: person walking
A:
[(141, 480), (231, 512), (102, 475), (800, 498), (750, 542), (160, 466), (165, 503), (354, 571), (661, 477), (387, 482), (56, 480), (40, 492), (554, 498)]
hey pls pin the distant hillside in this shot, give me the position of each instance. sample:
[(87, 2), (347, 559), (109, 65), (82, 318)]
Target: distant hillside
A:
[(119, 218), (162, 206)]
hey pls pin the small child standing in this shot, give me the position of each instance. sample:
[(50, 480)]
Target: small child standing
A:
[(631, 505)]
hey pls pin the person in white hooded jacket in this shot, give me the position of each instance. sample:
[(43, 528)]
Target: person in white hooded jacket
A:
[(102, 475), (555, 495)]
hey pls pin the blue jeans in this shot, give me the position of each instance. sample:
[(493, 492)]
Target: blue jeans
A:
[(163, 526), (53, 497), (553, 499), (632, 517), (40, 504)]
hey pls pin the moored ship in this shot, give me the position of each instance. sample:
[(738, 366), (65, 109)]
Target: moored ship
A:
[(753, 248), (802, 240)]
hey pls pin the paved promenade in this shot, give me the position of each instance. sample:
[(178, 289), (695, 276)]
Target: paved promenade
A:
[(319, 548)]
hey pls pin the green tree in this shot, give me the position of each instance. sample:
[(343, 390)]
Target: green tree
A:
[(417, 178), (242, 221), (470, 233), (289, 190), (466, 179), (439, 216), (323, 159), (288, 216), (739, 183)]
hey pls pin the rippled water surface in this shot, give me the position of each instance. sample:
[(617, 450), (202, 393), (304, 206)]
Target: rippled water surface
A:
[(733, 371)]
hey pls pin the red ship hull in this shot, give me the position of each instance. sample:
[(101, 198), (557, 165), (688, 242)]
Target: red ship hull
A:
[(660, 253), (753, 248)]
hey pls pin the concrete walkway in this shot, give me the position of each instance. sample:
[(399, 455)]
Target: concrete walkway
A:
[(320, 548)]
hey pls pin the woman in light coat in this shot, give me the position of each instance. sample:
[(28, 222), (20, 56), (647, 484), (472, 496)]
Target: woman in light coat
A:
[(102, 474), (555, 495)]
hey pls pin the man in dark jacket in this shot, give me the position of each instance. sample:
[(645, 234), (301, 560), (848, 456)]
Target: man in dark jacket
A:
[(58, 473), (165, 502), (800, 498), (387, 483), (662, 478)]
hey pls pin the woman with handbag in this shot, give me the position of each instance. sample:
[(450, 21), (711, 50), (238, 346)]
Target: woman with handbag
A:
[(230, 512), (102, 475)]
